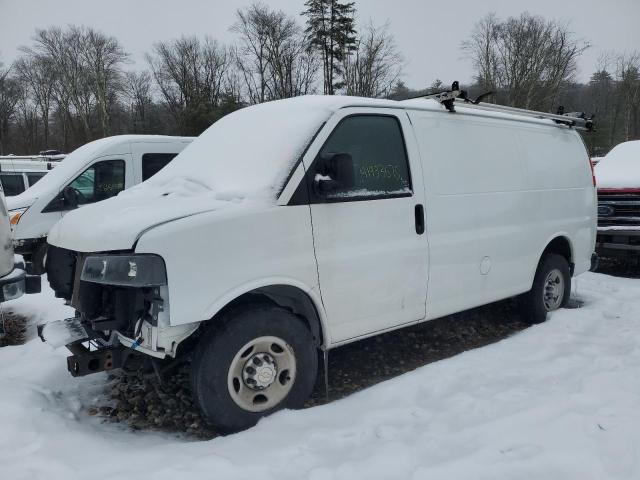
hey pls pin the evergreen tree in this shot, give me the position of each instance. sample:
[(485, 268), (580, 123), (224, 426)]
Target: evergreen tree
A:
[(330, 30)]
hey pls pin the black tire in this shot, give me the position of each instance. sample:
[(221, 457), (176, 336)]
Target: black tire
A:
[(219, 346), (532, 304), (38, 259)]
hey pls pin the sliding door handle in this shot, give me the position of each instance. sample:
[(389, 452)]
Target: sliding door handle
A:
[(419, 214)]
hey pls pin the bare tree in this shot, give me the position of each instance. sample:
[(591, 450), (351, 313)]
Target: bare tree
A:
[(191, 76), (374, 67), (481, 47), (103, 57), (65, 50), (137, 89), (37, 75), (272, 58), (9, 97), (527, 57)]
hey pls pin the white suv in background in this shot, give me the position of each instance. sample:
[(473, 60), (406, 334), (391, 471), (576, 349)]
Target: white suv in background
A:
[(96, 171)]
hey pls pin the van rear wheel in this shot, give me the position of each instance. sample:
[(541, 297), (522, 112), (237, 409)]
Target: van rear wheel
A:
[(551, 289), (261, 359)]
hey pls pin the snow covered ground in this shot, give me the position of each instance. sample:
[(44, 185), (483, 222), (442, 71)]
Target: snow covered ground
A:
[(559, 400)]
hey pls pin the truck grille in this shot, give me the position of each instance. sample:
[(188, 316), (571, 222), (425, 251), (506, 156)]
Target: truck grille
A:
[(618, 209)]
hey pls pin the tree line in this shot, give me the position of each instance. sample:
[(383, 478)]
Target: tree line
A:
[(76, 84)]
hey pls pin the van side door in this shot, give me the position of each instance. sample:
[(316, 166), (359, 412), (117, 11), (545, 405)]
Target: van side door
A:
[(369, 237)]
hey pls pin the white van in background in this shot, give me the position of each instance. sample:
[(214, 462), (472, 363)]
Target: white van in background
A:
[(303, 224), (17, 173), (96, 171)]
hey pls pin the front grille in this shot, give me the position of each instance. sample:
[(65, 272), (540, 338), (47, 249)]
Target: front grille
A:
[(618, 209)]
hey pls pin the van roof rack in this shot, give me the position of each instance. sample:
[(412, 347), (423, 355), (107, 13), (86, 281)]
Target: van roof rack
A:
[(449, 98)]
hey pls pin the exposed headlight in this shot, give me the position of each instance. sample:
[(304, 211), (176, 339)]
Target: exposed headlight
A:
[(142, 270), (15, 214)]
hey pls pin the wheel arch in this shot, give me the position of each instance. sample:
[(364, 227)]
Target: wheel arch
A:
[(559, 244), (302, 301)]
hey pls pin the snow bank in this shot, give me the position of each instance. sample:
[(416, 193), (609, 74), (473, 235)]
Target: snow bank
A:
[(559, 400), (620, 168)]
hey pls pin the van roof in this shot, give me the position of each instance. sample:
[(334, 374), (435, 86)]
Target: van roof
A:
[(336, 102)]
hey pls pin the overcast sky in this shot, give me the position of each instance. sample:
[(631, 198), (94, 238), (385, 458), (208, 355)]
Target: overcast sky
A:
[(428, 33)]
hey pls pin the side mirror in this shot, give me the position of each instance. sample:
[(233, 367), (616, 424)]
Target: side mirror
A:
[(336, 172), (70, 197)]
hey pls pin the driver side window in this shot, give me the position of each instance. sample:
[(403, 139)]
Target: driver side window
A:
[(377, 168), (100, 181)]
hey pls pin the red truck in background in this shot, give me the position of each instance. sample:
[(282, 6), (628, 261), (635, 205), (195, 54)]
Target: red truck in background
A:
[(618, 178)]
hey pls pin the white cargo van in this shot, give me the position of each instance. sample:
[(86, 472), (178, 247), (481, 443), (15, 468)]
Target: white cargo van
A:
[(17, 173), (96, 171), (304, 224)]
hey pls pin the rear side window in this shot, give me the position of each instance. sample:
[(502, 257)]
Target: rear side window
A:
[(34, 177), (376, 146), (12, 184), (100, 181), (152, 163)]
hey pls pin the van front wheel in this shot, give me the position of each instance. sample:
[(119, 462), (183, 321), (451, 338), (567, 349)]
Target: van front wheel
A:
[(261, 359), (551, 289)]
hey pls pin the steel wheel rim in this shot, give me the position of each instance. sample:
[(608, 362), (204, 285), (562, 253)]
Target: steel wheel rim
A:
[(553, 290), (261, 374)]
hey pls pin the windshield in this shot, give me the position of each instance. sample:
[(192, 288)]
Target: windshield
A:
[(249, 152)]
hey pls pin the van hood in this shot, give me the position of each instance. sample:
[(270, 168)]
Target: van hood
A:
[(24, 200), (117, 223)]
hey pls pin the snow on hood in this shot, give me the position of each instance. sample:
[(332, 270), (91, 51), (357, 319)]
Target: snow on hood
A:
[(23, 200), (117, 223), (620, 168), (243, 158)]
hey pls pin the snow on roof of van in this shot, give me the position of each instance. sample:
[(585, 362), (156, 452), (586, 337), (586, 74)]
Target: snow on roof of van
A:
[(620, 168), (250, 152)]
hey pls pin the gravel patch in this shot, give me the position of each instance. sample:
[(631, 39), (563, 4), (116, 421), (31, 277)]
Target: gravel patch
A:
[(13, 329), (143, 403), (618, 267)]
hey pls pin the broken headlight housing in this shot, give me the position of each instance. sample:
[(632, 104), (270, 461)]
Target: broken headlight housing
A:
[(133, 270)]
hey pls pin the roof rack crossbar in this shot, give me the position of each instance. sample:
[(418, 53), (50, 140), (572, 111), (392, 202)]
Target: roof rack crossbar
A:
[(450, 98), (577, 120)]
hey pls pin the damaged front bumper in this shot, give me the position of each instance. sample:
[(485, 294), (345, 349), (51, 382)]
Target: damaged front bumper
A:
[(91, 352)]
